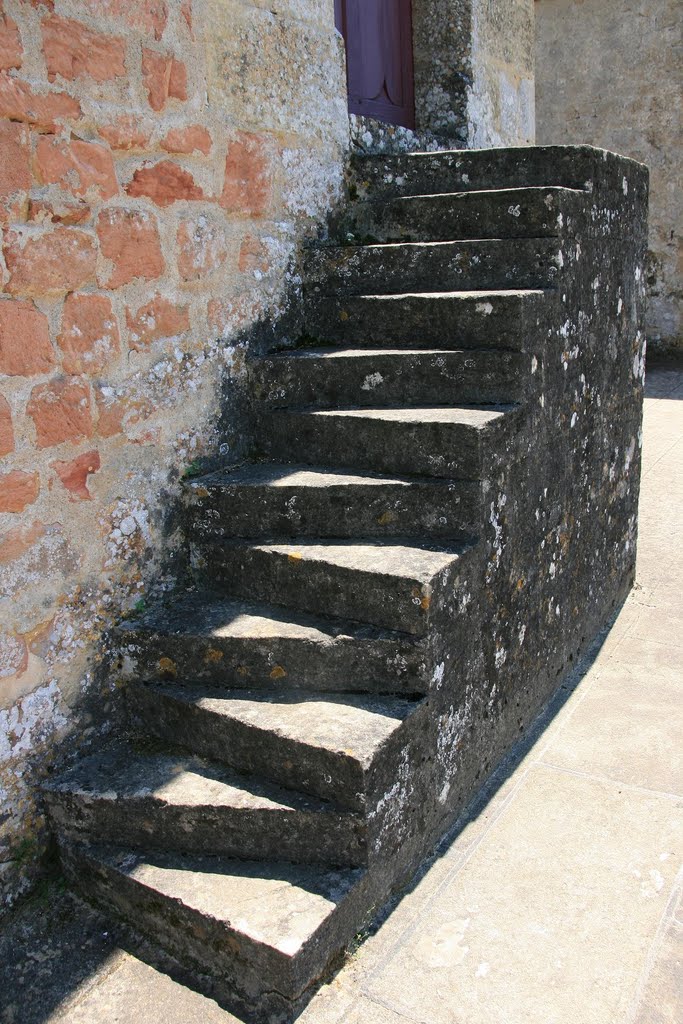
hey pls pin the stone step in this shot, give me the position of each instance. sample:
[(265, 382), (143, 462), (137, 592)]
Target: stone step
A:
[(464, 443), (509, 319), (497, 213), (331, 746), (387, 175), (177, 802), (388, 584), (271, 500), (326, 377), (434, 266), (263, 932), (235, 643)]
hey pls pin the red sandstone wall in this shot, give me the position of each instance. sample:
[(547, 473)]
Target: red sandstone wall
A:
[(159, 160)]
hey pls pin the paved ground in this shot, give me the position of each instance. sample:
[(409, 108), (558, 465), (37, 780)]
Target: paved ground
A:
[(559, 902)]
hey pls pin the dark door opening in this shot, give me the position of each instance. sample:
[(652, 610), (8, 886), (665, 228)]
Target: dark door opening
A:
[(379, 58)]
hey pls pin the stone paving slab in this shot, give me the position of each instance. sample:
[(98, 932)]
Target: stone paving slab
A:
[(559, 902)]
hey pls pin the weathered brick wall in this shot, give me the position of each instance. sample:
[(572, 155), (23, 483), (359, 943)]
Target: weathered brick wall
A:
[(608, 74), (160, 161)]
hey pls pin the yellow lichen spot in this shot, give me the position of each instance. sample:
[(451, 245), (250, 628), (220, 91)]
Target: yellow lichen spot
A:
[(521, 583), (295, 556), (201, 492), (242, 670), (278, 672), (388, 517), (167, 667), (213, 655), (425, 603), (343, 315)]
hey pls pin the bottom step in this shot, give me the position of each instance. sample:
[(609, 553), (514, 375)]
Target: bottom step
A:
[(265, 932)]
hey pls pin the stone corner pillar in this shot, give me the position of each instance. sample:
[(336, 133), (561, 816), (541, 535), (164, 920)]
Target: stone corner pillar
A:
[(474, 72)]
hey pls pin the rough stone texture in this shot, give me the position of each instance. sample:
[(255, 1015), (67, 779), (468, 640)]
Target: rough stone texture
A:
[(496, 623), (151, 198), (609, 74), (501, 103)]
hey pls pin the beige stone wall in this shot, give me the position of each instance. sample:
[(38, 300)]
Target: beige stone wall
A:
[(501, 99), (161, 160), (609, 74)]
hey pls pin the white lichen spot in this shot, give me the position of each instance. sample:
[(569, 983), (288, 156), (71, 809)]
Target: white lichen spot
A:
[(484, 307), (373, 380)]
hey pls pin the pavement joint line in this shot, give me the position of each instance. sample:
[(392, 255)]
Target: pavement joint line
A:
[(595, 777), (668, 917), (650, 469), (392, 1009)]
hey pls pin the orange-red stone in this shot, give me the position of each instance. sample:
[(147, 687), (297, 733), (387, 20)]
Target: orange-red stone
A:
[(247, 189), (25, 347), (149, 15), (164, 183), (74, 474), (6, 431), (11, 50), (72, 50), (160, 318), (58, 211), (116, 413), (130, 239), (192, 139), (253, 256), (90, 333), (17, 490), (19, 102), (15, 171), (58, 260), (165, 78), (127, 132), (60, 411), (79, 167)]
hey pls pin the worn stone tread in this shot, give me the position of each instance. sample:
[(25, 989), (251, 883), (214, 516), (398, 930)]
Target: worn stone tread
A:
[(328, 745), (283, 475), (177, 780), (448, 442), (355, 726), (331, 376), (175, 801), (412, 561), (469, 416), (480, 294), (212, 615), (388, 583), (499, 213), (268, 928), (465, 263), (499, 318), (242, 643)]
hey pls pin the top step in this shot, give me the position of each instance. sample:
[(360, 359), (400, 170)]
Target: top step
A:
[(576, 167)]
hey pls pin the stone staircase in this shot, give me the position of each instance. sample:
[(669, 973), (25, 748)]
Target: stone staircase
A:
[(308, 723)]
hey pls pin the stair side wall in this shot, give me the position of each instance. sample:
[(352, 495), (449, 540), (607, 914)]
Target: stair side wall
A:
[(559, 549)]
